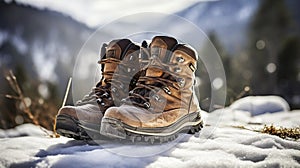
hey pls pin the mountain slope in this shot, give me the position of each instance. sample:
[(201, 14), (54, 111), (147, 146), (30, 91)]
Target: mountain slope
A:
[(228, 18), (45, 43)]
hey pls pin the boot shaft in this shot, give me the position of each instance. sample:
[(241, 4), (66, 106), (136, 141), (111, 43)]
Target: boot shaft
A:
[(116, 52), (169, 76), (119, 64)]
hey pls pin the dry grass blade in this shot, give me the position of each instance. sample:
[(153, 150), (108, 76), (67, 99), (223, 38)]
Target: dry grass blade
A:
[(243, 127), (12, 80), (245, 91), (67, 91), (12, 97), (55, 134)]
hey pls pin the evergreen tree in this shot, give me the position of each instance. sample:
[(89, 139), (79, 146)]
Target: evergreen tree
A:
[(287, 60), (268, 29), (288, 68)]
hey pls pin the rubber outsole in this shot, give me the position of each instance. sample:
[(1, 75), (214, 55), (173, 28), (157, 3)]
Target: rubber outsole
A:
[(116, 129), (70, 127)]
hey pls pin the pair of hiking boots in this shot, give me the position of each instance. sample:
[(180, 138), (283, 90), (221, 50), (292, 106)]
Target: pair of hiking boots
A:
[(146, 94)]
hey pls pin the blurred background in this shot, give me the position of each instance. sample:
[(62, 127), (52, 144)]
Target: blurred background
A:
[(258, 41)]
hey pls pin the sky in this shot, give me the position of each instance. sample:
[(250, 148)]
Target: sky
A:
[(98, 12)]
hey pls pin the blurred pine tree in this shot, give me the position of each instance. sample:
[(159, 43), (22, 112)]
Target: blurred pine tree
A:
[(267, 31)]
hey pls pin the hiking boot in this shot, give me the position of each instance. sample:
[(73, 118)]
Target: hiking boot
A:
[(120, 64), (163, 102)]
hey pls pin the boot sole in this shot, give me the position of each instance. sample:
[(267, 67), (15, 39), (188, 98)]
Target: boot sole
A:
[(70, 127), (113, 128)]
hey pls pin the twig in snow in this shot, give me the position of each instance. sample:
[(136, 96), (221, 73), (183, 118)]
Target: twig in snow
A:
[(282, 132), (12, 80)]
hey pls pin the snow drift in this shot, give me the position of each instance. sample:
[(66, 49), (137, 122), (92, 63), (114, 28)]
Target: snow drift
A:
[(261, 104)]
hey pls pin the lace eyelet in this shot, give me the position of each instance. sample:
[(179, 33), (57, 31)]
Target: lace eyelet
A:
[(131, 57), (99, 101), (177, 70), (147, 105), (155, 51), (181, 82), (102, 104), (156, 97), (105, 94), (167, 90), (154, 56), (113, 89), (180, 59)]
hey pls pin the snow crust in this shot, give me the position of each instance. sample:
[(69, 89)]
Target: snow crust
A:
[(23, 130), (261, 104)]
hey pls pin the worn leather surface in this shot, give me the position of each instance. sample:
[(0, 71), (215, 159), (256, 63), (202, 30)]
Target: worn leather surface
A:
[(88, 113), (165, 109), (117, 52)]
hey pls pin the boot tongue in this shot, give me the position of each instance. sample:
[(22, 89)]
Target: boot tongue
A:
[(116, 49), (161, 46), (160, 49)]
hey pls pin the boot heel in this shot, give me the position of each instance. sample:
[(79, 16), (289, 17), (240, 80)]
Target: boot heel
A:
[(196, 128)]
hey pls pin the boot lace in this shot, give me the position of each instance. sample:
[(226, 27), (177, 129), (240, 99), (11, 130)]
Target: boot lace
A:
[(89, 98), (147, 85), (114, 84)]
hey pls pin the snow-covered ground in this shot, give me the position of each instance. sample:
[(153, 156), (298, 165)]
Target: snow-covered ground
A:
[(218, 145)]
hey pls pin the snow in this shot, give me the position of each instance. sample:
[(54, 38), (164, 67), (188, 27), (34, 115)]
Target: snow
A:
[(219, 145), (22, 130), (261, 104)]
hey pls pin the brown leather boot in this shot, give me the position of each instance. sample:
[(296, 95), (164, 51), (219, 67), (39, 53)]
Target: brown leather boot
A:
[(163, 102), (120, 62)]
